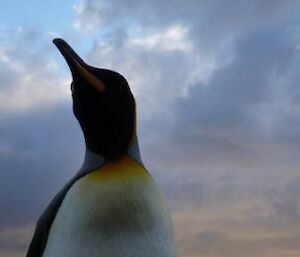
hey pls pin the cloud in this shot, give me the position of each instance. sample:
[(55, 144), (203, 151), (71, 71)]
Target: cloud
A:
[(29, 76), (155, 13), (41, 145), (41, 151), (243, 98), (14, 241)]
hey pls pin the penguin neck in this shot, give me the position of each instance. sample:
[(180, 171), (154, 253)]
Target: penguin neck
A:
[(93, 160)]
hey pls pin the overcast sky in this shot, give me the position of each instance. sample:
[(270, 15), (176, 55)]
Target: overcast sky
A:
[(218, 97)]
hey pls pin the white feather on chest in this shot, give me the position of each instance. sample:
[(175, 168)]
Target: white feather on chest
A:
[(115, 211)]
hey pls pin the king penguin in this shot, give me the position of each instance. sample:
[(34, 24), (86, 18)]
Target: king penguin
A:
[(112, 206)]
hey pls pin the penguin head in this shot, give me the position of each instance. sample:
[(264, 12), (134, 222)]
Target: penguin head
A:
[(102, 103)]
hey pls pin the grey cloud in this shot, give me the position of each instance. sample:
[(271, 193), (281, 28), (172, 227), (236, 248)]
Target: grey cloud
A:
[(211, 24), (213, 14), (12, 243), (29, 75), (41, 145), (205, 243), (45, 151), (228, 107), (285, 202), (28, 48)]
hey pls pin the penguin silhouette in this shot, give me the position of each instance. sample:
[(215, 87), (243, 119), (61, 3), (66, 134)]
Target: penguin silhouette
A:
[(112, 206)]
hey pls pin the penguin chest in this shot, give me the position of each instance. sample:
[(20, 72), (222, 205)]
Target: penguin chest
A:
[(114, 211)]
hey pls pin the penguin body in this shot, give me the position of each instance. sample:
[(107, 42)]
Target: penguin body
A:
[(111, 207), (115, 210)]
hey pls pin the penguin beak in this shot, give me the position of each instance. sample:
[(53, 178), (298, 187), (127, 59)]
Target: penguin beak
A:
[(77, 66)]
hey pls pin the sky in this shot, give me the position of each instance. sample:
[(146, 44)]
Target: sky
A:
[(218, 97)]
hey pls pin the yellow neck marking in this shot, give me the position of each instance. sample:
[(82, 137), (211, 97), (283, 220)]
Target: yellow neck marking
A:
[(123, 168)]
